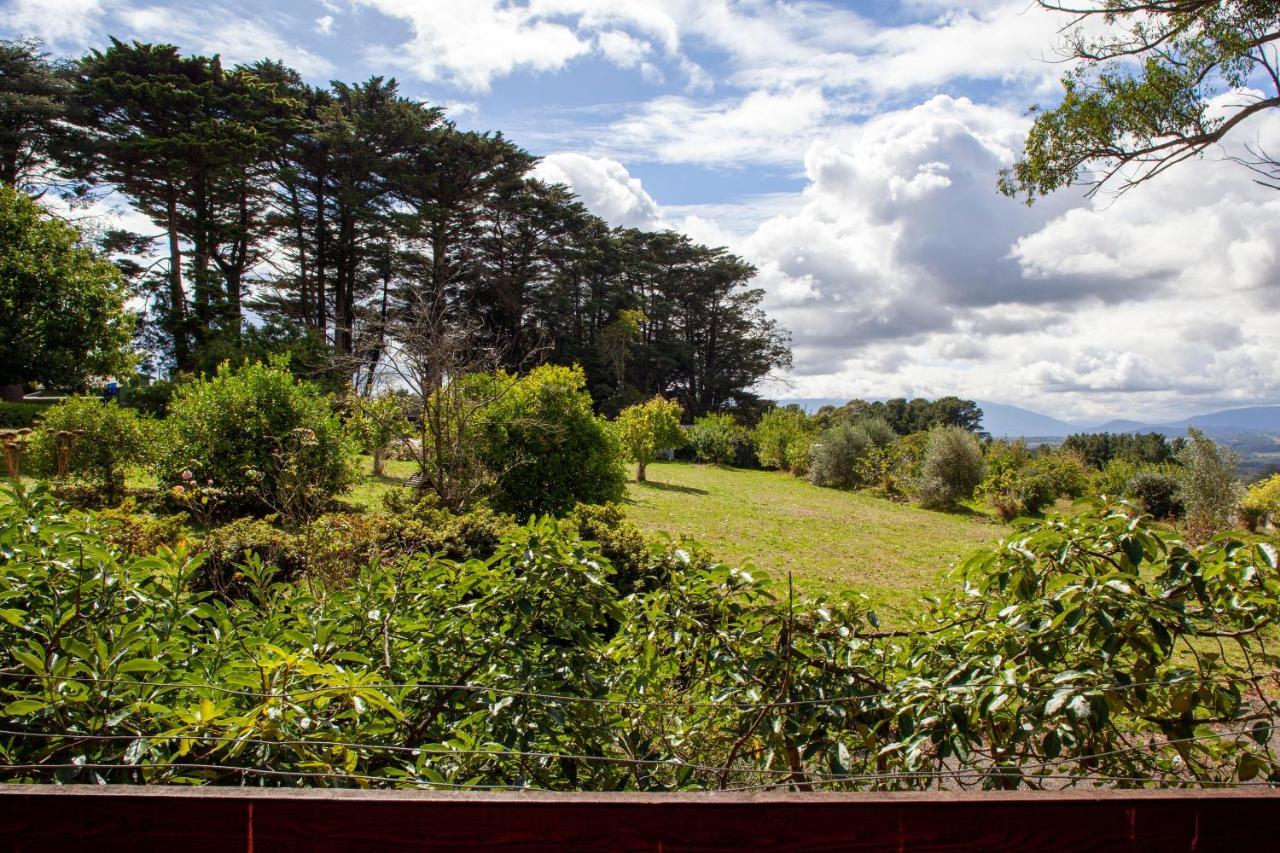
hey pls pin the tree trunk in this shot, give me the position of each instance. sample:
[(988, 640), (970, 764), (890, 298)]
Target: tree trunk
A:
[(640, 472), (177, 298), (11, 393)]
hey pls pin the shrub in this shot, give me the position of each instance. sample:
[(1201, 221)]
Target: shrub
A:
[(1208, 486), (1112, 482), (878, 430), (837, 456), (799, 453), (646, 428), (1015, 483), (231, 545), (951, 470), (271, 443), (20, 415), (715, 438), (1261, 502), (1157, 491), (140, 533), (150, 398), (777, 435), (1066, 470), (88, 441), (547, 448)]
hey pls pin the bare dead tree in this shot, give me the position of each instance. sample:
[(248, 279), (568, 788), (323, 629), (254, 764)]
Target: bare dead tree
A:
[(436, 348)]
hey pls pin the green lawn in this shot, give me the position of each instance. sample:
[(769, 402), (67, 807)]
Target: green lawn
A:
[(828, 539)]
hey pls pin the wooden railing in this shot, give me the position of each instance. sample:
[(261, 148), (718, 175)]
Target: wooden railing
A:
[(186, 820)]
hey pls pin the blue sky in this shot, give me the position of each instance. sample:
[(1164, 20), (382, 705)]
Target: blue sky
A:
[(850, 151)]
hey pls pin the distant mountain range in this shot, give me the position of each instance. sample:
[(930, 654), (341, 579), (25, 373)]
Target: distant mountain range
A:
[(1006, 421)]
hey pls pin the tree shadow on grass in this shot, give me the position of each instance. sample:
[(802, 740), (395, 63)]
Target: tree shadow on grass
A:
[(671, 487)]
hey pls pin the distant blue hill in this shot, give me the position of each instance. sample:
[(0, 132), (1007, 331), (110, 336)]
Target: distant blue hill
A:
[(1003, 420)]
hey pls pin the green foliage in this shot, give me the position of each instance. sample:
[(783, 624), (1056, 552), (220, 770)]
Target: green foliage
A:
[(548, 448), (836, 459), (908, 416), (1139, 97), (271, 443), (20, 415), (646, 428), (1261, 502), (1066, 470), (1210, 488), (715, 438), (1014, 485), (1100, 448), (150, 397), (1112, 482), (1076, 648), (782, 437), (62, 310), (1157, 491), (88, 441), (951, 470), (376, 422)]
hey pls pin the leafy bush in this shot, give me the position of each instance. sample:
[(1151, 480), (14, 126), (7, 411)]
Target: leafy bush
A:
[(777, 433), (1157, 491), (1261, 502), (229, 547), (952, 468), (91, 442), (148, 397), (878, 430), (1069, 642), (1112, 482), (20, 415), (547, 447), (646, 428), (1019, 482), (1066, 470), (836, 458), (140, 533), (424, 526), (1209, 487), (715, 438), (271, 443), (799, 454)]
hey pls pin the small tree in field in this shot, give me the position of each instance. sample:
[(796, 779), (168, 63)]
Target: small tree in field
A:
[(376, 422), (646, 428), (1209, 487)]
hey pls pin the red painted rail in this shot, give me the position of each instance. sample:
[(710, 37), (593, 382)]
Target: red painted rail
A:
[(178, 820)]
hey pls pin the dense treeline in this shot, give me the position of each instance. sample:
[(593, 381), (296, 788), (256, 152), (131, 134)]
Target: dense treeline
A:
[(908, 416), (1099, 448), (330, 210)]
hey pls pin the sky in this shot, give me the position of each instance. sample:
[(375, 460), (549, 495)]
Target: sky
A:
[(850, 151)]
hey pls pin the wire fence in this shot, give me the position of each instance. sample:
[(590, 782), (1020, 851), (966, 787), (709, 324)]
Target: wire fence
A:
[(726, 703), (765, 778)]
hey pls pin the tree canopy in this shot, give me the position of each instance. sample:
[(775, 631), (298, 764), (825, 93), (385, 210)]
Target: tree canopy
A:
[(1143, 94), (334, 210), (62, 309)]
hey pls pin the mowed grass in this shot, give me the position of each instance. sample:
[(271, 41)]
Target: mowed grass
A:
[(829, 540)]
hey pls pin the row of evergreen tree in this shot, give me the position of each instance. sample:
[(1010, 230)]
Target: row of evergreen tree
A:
[(326, 210)]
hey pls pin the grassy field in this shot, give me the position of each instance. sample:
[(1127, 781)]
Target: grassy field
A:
[(829, 540)]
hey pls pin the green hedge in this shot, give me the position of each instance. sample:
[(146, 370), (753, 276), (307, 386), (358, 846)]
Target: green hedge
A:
[(19, 415)]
